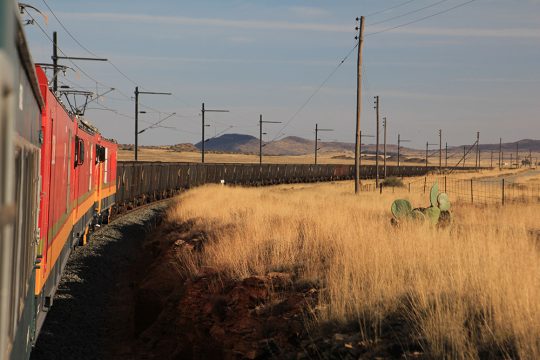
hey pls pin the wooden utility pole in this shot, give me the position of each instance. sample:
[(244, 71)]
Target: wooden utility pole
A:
[(398, 141), (316, 145), (384, 147), (317, 139), (427, 150), (500, 153), (203, 111), (517, 154), (491, 161), (477, 150), (446, 155), (137, 93), (377, 142), (261, 122), (440, 149), (360, 38), (464, 155)]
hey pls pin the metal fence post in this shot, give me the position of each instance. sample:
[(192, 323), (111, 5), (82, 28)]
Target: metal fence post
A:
[(425, 183), (502, 191), (472, 198), (409, 187), (445, 184), (381, 185)]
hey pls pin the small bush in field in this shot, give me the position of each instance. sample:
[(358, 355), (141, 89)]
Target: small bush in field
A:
[(393, 181)]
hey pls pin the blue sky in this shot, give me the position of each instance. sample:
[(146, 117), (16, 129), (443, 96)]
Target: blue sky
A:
[(475, 68)]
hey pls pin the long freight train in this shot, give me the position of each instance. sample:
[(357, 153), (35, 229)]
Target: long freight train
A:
[(59, 178)]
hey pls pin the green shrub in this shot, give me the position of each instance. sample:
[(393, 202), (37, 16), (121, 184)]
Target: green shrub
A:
[(392, 181)]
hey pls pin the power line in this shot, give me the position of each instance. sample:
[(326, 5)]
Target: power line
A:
[(389, 8), (84, 47), (94, 54), (315, 92), (420, 19), (63, 53), (409, 13)]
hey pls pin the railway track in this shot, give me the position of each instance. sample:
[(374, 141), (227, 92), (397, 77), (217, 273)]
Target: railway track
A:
[(87, 311)]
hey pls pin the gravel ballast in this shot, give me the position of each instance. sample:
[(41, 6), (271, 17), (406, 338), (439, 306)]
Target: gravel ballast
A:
[(81, 323)]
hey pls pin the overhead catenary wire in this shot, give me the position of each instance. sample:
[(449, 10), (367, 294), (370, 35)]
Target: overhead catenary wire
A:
[(408, 13), (312, 95), (93, 54), (128, 78), (390, 8), (420, 19), (84, 47), (280, 131), (315, 92)]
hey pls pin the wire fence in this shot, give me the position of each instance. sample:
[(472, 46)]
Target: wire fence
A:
[(475, 191)]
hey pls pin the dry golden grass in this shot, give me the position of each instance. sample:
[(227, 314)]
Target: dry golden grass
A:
[(466, 291), (156, 154), (146, 154)]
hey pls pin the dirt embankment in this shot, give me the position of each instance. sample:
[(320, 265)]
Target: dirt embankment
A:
[(210, 316)]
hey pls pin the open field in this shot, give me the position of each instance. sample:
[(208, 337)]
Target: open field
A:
[(153, 154), (187, 156), (468, 291)]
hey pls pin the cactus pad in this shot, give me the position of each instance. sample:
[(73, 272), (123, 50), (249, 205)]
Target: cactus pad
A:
[(432, 214), (437, 214), (433, 194), (443, 202), (401, 208), (418, 215)]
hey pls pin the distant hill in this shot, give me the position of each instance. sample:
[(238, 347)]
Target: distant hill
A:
[(524, 146), (177, 147), (236, 143), (294, 145), (291, 145)]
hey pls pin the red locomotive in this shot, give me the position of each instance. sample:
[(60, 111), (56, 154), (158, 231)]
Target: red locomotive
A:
[(78, 169), (57, 182)]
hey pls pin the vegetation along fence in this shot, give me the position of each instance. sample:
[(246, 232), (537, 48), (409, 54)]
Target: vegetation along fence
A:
[(476, 191)]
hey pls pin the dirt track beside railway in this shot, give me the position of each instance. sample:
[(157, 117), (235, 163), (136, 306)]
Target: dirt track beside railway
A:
[(84, 319)]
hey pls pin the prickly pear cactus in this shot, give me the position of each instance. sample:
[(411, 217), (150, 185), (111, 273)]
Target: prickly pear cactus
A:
[(401, 208), (418, 215), (433, 194), (443, 202), (437, 214), (432, 215)]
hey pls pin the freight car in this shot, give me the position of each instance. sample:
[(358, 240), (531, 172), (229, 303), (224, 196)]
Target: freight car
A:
[(143, 182)]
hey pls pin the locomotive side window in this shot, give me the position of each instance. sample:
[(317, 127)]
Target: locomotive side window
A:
[(79, 151), (100, 153)]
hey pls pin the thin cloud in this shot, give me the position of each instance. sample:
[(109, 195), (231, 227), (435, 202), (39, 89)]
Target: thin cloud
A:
[(240, 40), (308, 11), (216, 22), (496, 80), (198, 60), (525, 33), (528, 33)]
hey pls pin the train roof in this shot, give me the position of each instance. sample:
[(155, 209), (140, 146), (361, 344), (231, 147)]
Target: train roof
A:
[(13, 43)]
